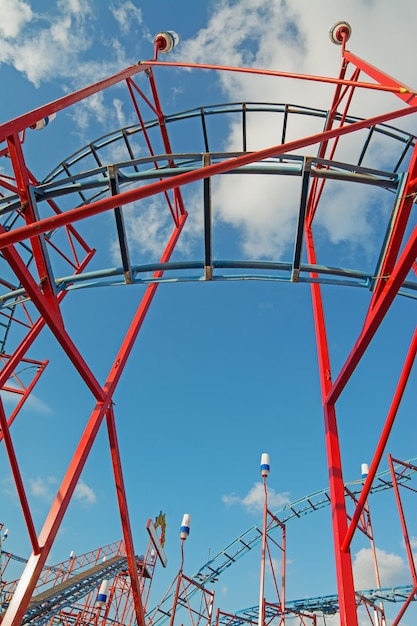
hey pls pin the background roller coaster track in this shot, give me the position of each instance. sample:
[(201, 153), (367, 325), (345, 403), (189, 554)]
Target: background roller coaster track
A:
[(210, 571)]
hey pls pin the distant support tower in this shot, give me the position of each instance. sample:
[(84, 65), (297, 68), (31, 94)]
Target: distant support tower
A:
[(91, 588)]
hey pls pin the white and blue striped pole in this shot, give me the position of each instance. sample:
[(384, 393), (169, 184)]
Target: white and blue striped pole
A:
[(364, 470), (185, 526), (103, 593), (40, 124), (265, 465), (265, 469)]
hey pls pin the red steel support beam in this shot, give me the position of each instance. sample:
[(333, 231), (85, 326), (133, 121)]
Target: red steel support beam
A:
[(25, 344), (406, 536), (124, 513), (27, 583), (346, 589), (391, 88), (404, 528), (407, 95), (397, 233), (40, 254), (130, 85), (54, 322), (26, 394), (337, 97), (399, 392), (29, 119), (14, 465), (400, 90), (403, 266), (164, 133)]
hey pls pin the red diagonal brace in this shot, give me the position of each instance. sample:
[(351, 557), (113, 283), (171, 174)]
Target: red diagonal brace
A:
[(389, 422), (40, 254), (406, 94), (124, 514), (374, 320), (398, 229), (54, 323)]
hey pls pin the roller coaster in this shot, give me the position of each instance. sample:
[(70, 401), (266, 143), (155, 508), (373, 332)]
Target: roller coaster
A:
[(67, 592), (45, 257)]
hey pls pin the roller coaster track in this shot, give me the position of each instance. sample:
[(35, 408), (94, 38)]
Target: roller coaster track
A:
[(326, 605), (45, 605), (210, 571)]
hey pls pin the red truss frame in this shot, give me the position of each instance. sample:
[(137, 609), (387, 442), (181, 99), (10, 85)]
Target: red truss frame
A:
[(39, 289)]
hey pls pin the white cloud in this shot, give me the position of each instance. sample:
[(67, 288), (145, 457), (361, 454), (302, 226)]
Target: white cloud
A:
[(76, 7), (148, 225), (118, 106), (346, 214), (254, 499), (85, 494), (32, 403), (264, 208), (8, 487), (50, 49), (14, 15), (126, 14), (393, 570), (54, 45), (91, 108), (43, 487)]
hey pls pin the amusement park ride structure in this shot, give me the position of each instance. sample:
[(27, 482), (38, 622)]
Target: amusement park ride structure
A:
[(45, 258)]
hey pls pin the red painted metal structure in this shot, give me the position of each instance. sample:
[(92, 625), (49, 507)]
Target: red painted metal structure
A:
[(39, 287)]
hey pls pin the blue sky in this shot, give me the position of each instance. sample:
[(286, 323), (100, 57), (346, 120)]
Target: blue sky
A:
[(224, 371)]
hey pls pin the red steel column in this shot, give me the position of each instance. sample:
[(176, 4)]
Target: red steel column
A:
[(345, 585), (383, 440), (124, 514), (406, 541)]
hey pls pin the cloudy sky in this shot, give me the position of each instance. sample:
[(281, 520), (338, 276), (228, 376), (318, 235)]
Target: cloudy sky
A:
[(226, 371)]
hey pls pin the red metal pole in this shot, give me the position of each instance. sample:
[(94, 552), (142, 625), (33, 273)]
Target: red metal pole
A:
[(40, 255), (405, 204), (124, 513), (406, 535), (391, 88), (346, 590), (261, 609), (177, 586), (29, 119), (375, 318), (406, 542), (18, 480), (53, 320), (406, 94), (399, 392)]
